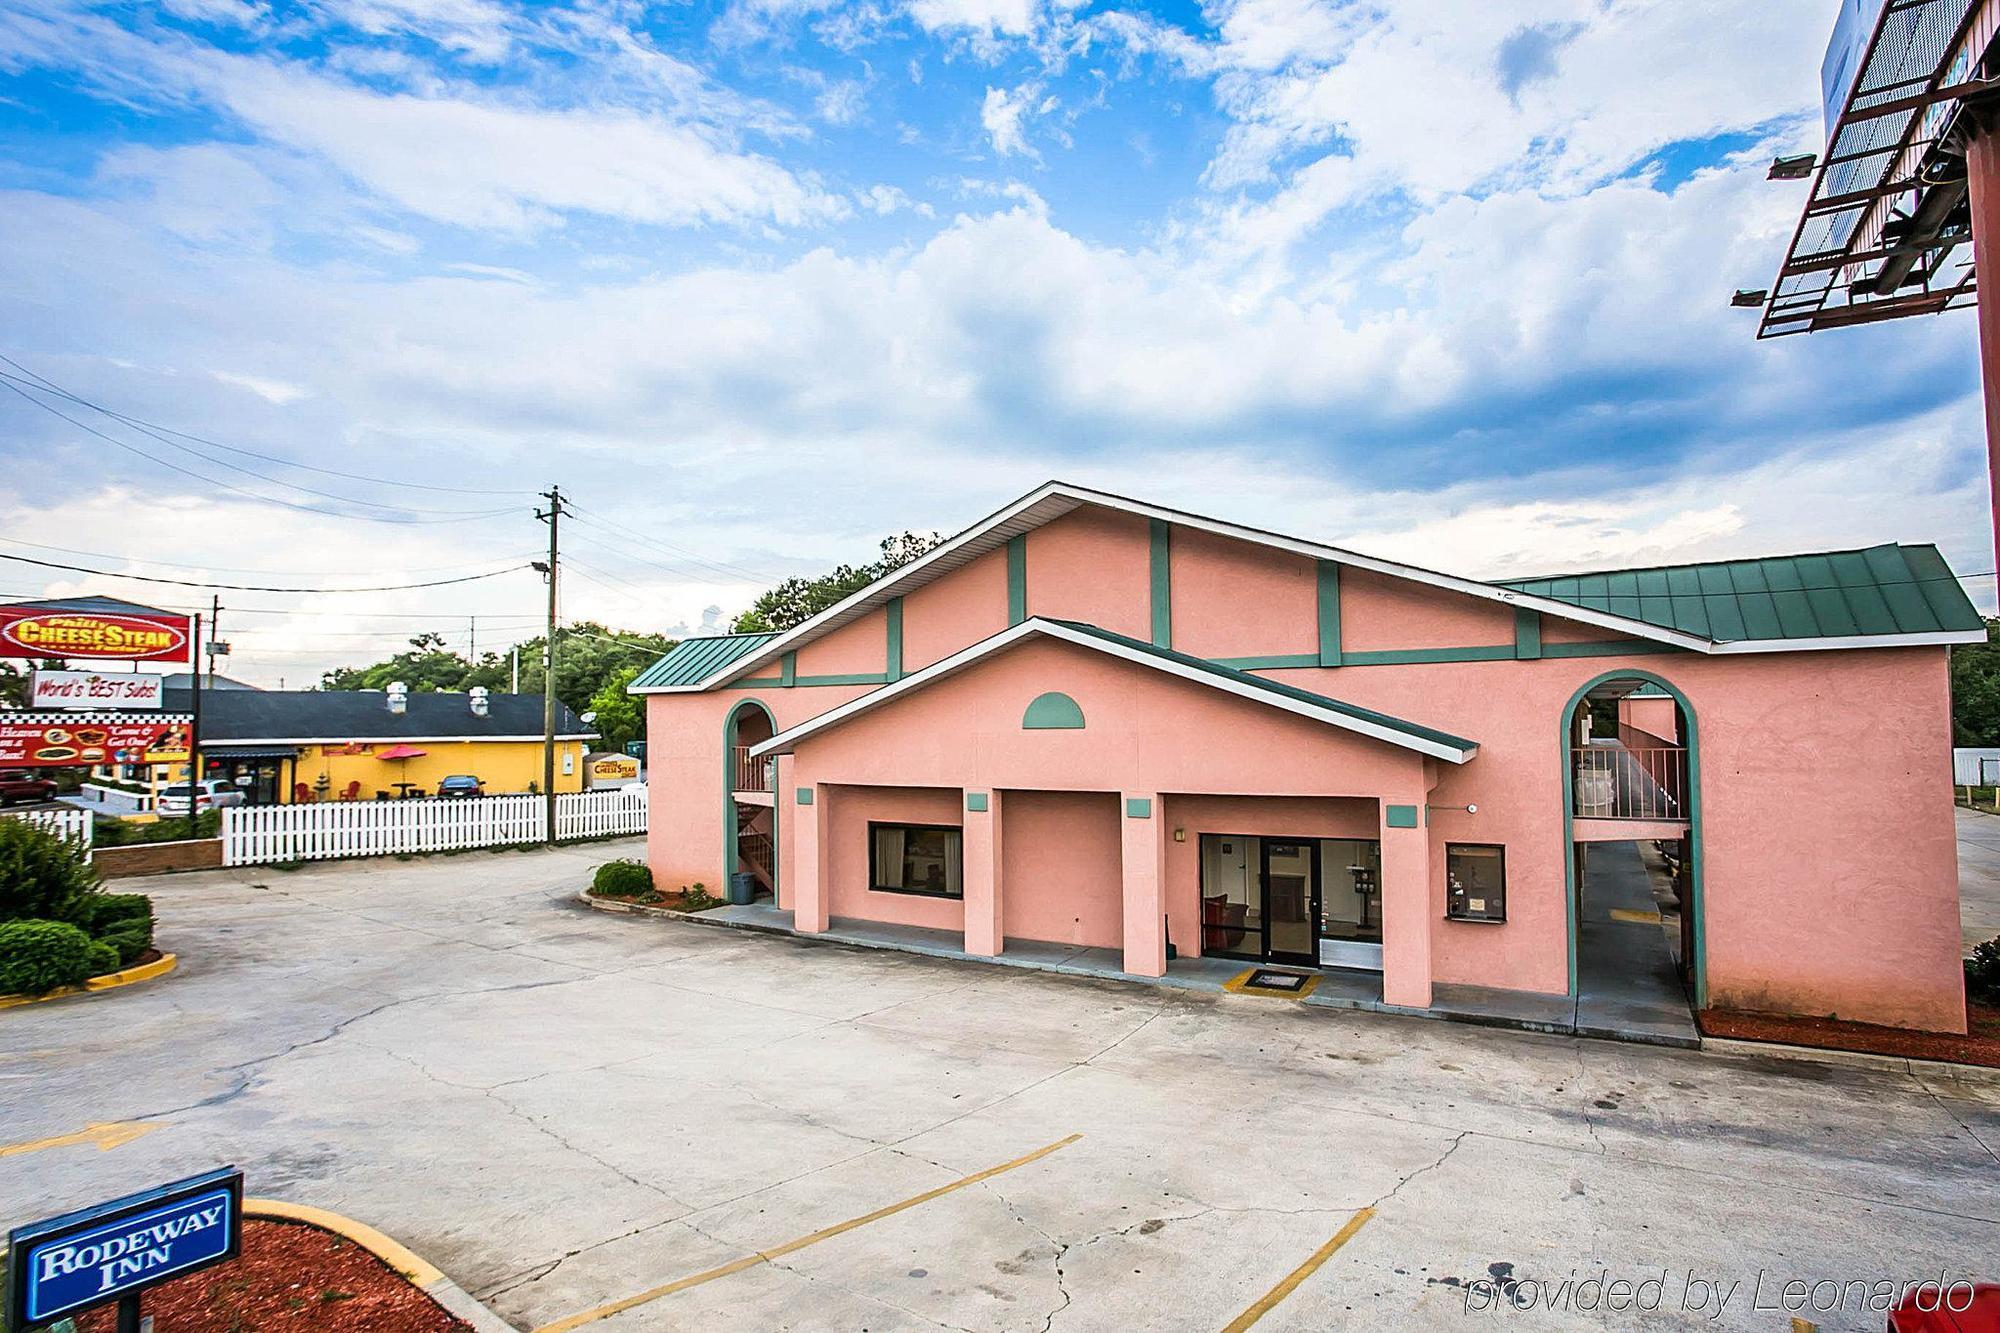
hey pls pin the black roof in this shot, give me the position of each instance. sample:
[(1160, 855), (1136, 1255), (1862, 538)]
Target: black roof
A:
[(101, 606), (358, 715)]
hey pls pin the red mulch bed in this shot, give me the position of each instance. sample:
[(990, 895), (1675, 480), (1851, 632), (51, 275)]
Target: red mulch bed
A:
[(289, 1277), (673, 902), (1979, 1046)]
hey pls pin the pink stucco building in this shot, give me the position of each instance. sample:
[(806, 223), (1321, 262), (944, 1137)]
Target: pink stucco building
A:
[(1093, 721)]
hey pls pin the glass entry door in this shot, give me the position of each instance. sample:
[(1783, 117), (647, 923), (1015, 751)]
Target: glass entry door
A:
[(1291, 901)]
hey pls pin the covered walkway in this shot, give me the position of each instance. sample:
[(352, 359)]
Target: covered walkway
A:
[(1607, 1015), (1627, 985)]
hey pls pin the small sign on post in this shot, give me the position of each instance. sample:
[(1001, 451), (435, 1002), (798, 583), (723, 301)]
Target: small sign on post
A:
[(112, 1252)]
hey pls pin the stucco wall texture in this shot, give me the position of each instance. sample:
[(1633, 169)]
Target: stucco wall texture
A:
[(1830, 879)]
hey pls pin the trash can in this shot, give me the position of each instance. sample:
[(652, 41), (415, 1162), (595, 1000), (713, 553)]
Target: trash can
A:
[(742, 888)]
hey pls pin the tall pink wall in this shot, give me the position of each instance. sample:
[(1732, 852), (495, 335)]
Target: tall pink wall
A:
[(1093, 565), (1379, 612), (1062, 870), (963, 607), (1231, 599), (859, 647)]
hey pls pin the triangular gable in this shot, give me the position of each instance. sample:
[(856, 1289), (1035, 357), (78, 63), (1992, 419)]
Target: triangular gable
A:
[(1286, 698)]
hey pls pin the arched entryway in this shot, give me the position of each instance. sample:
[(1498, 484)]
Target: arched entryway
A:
[(749, 814), (1632, 842)]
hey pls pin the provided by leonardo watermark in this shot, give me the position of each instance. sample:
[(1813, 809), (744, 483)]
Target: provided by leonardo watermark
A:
[(1716, 1297)]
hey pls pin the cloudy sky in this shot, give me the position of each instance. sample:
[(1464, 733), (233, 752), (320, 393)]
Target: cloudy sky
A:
[(759, 281)]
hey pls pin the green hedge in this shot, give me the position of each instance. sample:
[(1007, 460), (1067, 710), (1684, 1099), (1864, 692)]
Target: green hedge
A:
[(622, 879), (38, 956), (1982, 972), (168, 828), (42, 877)]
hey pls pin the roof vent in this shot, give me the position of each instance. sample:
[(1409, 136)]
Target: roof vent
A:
[(479, 704), (398, 697)]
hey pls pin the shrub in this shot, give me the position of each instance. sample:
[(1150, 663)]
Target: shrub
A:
[(622, 879), (42, 877), (101, 912), (37, 956), (168, 828), (1982, 972), (104, 958), (697, 898)]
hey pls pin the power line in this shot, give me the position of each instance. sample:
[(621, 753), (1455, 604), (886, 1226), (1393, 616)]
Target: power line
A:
[(239, 569), (256, 587), (8, 382), (53, 387), (596, 519), (623, 554)]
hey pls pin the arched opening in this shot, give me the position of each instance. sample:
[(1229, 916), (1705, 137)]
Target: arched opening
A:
[(749, 814), (1632, 829)]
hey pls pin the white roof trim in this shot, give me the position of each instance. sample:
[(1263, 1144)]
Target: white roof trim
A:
[(1927, 639), (784, 741), (1060, 498)]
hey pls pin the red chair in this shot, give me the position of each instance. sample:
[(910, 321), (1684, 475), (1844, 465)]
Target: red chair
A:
[(301, 794), (352, 791)]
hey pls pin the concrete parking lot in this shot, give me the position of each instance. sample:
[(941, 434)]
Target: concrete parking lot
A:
[(564, 1108)]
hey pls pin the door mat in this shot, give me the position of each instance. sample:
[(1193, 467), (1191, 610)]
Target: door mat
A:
[(1273, 982)]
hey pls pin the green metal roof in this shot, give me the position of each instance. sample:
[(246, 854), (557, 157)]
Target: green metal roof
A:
[(1834, 594), (694, 660), (1276, 687)]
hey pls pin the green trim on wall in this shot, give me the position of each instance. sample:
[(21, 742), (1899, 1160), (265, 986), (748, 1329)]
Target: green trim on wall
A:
[(892, 668), (1329, 615), (1054, 711), (1619, 648), (975, 801), (788, 670), (1138, 807), (1162, 570), (1697, 890), (804, 795), (729, 790), (1017, 579), (1400, 816), (1499, 652), (1277, 662), (852, 678), (753, 683), (1527, 633)]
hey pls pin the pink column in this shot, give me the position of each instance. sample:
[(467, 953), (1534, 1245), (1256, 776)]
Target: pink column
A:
[(983, 879), (809, 859), (1406, 903), (1143, 824)]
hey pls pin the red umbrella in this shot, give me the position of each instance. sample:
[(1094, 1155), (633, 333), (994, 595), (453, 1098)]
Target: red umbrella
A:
[(400, 752)]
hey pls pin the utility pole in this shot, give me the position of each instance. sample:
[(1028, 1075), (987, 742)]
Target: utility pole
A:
[(472, 640), (553, 516), (214, 634), (194, 725)]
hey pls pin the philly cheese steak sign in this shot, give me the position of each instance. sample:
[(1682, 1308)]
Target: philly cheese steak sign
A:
[(92, 1257), (28, 631)]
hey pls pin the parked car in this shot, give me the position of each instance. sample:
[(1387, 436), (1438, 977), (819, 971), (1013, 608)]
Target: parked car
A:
[(13, 789), (209, 794), (1967, 1308), (461, 784)]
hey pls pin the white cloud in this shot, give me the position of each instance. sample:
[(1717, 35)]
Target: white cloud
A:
[(1005, 112), (1011, 18)]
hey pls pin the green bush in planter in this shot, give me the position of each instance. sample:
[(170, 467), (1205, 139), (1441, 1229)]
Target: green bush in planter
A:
[(37, 956), (622, 879), (104, 958), (1982, 972), (42, 877), (102, 912)]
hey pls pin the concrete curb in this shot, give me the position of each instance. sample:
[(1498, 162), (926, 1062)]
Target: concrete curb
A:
[(130, 976), (1887, 1064), (426, 1276), (591, 900)]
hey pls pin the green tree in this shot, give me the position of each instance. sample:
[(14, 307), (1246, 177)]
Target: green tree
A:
[(427, 667), (620, 717), (1975, 690), (797, 600)]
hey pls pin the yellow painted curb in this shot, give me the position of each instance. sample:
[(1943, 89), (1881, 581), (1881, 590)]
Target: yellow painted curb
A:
[(412, 1266), (159, 967), (1240, 985)]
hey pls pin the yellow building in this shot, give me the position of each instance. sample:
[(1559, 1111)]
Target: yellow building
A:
[(280, 746)]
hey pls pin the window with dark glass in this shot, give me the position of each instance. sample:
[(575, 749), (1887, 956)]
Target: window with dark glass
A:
[(916, 858), (1475, 882)]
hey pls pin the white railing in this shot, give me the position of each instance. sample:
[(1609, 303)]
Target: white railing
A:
[(73, 825), (262, 834)]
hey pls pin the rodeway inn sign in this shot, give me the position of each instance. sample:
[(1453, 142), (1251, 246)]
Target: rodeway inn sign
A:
[(118, 1249)]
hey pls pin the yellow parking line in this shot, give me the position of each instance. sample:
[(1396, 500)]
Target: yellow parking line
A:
[(1269, 1300), (779, 1251), (1636, 918)]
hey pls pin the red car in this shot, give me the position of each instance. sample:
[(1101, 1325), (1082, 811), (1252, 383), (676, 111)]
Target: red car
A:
[(15, 789), (1925, 1313)]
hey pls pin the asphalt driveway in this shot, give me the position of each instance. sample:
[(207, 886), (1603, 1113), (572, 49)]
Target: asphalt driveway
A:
[(563, 1108)]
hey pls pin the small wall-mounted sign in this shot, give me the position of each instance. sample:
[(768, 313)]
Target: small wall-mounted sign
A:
[(119, 692), (116, 1250)]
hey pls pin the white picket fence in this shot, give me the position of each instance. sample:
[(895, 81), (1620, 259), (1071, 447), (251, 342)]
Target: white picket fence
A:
[(78, 826), (262, 834)]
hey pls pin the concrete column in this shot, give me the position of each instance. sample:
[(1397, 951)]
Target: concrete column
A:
[(1406, 903), (810, 861), (983, 880), (1982, 161), (1144, 846)]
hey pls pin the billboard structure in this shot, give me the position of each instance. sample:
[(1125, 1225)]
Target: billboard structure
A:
[(1905, 206)]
